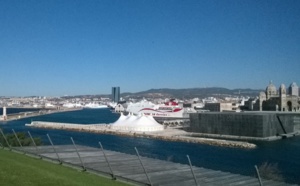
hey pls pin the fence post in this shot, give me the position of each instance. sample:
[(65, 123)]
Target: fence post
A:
[(111, 171), (2, 146), (137, 152), (258, 175), (5, 139), (60, 162), (18, 140), (192, 170), (37, 152), (82, 164)]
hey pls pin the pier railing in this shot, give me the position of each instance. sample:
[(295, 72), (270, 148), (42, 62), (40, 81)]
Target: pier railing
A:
[(132, 168)]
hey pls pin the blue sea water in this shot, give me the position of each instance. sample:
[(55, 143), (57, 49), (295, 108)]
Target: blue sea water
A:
[(284, 153)]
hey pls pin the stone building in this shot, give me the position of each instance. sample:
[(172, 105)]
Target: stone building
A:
[(120, 107), (220, 107), (256, 125), (281, 100)]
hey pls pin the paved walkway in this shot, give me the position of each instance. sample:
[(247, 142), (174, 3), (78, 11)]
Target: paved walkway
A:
[(128, 167)]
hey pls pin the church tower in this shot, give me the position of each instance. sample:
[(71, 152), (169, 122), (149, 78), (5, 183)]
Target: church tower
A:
[(282, 96), (294, 89)]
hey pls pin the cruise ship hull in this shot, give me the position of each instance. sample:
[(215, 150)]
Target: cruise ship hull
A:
[(179, 113)]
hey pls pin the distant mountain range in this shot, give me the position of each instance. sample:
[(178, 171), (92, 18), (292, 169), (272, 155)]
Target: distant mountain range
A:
[(187, 93), (193, 93)]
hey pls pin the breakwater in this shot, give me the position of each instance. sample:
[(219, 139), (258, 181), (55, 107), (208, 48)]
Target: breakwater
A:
[(34, 113), (168, 134)]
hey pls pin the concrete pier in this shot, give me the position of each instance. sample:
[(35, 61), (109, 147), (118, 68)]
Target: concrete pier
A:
[(27, 114), (168, 134)]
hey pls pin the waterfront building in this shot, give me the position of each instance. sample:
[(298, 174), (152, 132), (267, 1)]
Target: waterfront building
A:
[(220, 107), (120, 107), (256, 125), (281, 100), (115, 93)]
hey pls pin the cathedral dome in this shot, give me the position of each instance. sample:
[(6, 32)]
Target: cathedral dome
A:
[(271, 89)]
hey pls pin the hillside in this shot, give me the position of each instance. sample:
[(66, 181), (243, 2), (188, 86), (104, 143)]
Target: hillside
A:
[(193, 92), (187, 93)]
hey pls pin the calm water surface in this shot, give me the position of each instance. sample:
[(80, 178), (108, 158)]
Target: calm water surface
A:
[(284, 153)]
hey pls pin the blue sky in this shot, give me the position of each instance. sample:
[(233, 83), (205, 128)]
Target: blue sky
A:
[(73, 47)]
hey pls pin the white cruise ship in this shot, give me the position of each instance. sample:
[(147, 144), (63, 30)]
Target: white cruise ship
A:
[(169, 109)]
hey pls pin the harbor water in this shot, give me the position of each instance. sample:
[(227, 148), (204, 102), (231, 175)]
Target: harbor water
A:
[(284, 153)]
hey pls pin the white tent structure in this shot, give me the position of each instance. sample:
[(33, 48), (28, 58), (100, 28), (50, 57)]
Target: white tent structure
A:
[(121, 119), (139, 123)]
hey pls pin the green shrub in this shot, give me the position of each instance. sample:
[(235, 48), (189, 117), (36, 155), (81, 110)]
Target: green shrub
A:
[(270, 171), (24, 140)]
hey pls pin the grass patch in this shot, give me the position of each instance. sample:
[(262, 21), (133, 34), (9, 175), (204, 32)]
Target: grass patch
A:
[(19, 169)]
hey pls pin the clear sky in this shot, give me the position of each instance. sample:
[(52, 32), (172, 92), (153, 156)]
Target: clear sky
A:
[(73, 47)]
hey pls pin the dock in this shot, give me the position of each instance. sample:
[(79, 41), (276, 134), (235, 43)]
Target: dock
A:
[(141, 170)]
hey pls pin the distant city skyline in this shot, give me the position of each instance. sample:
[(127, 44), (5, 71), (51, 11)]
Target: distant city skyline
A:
[(56, 48)]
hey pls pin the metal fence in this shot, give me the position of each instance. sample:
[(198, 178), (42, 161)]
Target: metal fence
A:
[(132, 168)]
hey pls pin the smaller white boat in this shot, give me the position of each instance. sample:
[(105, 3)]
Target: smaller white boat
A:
[(94, 106), (72, 105)]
